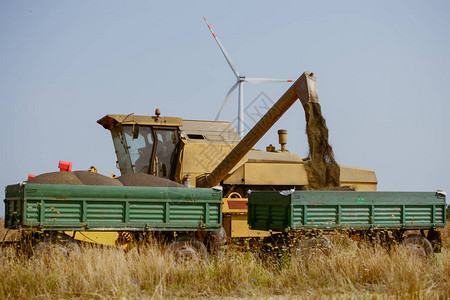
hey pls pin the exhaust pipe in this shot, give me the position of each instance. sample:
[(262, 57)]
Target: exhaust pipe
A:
[(282, 139)]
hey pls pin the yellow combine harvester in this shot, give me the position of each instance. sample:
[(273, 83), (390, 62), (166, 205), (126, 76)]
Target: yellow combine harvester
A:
[(207, 153)]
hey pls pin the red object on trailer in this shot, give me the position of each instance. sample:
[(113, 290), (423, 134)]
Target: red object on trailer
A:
[(31, 176), (65, 166), (187, 181)]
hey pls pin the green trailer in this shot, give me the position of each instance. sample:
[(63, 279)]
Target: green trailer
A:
[(360, 213), (175, 214)]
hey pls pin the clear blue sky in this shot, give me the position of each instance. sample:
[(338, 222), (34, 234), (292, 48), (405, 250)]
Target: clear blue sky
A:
[(382, 67)]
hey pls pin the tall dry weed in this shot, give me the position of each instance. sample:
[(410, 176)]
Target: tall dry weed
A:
[(352, 270)]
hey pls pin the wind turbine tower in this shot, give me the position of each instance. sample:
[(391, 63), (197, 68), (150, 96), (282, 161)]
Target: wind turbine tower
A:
[(240, 79)]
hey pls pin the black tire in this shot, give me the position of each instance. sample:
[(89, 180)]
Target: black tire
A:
[(218, 241), (313, 245), (187, 248), (56, 245), (418, 245)]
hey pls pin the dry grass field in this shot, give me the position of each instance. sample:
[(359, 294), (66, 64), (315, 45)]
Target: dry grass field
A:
[(353, 270)]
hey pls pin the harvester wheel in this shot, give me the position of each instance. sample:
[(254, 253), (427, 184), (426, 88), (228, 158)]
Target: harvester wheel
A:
[(187, 248), (314, 245), (418, 245), (57, 245)]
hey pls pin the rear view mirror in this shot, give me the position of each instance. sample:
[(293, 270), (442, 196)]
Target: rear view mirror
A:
[(164, 170), (135, 132)]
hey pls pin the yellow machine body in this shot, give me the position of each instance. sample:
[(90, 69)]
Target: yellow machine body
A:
[(95, 237), (208, 152), (204, 144)]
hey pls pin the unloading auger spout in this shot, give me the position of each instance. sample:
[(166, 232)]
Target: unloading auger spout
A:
[(304, 88)]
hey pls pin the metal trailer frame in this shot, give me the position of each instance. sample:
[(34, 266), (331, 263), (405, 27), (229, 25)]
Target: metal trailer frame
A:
[(49, 207), (331, 210)]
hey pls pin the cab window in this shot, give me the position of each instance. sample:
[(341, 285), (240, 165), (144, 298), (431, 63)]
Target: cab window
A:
[(140, 148), (165, 153)]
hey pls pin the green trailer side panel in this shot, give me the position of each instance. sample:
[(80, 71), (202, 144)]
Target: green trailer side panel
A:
[(139, 212), (330, 210), (112, 208)]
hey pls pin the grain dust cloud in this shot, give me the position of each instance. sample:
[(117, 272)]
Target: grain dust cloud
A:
[(322, 169)]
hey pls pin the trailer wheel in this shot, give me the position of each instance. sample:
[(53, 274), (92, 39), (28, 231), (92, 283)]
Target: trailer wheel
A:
[(187, 248), (58, 245), (418, 245), (313, 245)]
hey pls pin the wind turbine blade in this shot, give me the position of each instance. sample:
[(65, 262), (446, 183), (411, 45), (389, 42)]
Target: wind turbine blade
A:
[(265, 80), (227, 99), (225, 53)]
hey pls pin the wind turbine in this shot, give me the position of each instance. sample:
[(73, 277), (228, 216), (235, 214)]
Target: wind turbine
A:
[(240, 79)]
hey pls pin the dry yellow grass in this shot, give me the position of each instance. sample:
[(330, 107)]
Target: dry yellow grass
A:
[(351, 271)]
